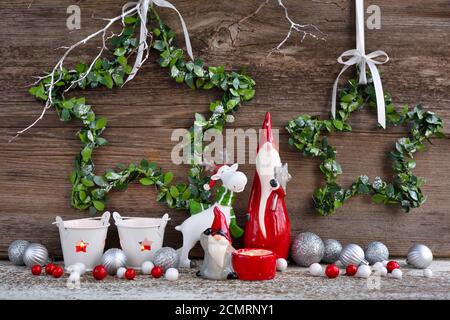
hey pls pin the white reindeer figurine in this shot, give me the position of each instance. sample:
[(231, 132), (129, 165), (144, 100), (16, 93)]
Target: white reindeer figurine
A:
[(233, 182)]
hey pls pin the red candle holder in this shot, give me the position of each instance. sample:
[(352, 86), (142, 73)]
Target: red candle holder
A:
[(254, 264)]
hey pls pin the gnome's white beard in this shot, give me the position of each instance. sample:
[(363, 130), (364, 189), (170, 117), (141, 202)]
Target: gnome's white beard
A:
[(267, 160), (217, 249)]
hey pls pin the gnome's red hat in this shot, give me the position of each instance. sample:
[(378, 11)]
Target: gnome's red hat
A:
[(265, 134), (220, 225)]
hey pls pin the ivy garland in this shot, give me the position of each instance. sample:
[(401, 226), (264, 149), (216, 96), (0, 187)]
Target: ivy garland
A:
[(90, 190), (306, 135)]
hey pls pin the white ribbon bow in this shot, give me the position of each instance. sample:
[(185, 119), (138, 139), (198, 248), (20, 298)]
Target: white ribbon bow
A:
[(142, 10), (359, 57)]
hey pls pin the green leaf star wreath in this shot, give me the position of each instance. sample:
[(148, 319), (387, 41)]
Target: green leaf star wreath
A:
[(89, 191), (306, 135)]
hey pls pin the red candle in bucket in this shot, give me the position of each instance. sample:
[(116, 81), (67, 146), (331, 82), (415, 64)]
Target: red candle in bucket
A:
[(254, 264)]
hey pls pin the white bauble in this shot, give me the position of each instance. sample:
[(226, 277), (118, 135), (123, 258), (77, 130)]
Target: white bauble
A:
[(383, 272), (316, 269), (281, 264), (171, 274), (427, 273), (385, 262), (146, 267), (397, 273), (121, 272), (377, 266), (363, 271)]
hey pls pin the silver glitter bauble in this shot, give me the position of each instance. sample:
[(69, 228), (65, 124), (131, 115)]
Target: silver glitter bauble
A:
[(113, 259), (333, 249), (307, 248), (16, 251), (352, 254), (376, 252), (166, 258), (419, 256), (35, 253)]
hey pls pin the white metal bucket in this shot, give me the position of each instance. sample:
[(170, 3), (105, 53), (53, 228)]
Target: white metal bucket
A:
[(83, 240), (140, 238)]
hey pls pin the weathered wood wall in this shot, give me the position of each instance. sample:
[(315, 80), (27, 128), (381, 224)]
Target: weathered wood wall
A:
[(34, 170)]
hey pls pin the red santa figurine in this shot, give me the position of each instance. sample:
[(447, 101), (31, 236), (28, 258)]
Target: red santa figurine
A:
[(268, 223)]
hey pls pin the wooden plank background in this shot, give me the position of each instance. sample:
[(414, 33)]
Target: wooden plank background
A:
[(34, 170)]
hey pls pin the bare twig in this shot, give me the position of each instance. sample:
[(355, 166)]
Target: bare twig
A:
[(305, 30), (56, 74), (300, 28)]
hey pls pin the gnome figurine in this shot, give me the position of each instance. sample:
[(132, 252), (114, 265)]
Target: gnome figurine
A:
[(268, 225), (216, 243)]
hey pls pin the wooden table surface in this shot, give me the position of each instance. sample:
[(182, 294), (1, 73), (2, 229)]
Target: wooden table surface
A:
[(34, 169)]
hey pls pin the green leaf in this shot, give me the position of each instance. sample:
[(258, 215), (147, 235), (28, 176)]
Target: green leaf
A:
[(100, 181), (101, 141), (146, 181), (100, 206), (122, 61), (129, 20), (100, 123), (118, 79), (168, 177), (86, 153), (378, 198), (120, 51), (87, 182), (338, 124), (174, 191), (186, 194), (189, 80), (198, 70), (158, 45), (169, 199), (65, 115), (112, 175), (107, 81), (92, 210), (174, 71)]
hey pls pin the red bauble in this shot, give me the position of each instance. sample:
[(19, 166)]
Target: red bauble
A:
[(57, 271), (392, 265), (99, 272), (351, 269), (36, 270), (332, 271), (130, 274), (157, 272), (49, 268)]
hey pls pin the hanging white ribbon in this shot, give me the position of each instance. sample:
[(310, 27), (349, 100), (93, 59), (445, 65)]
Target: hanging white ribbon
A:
[(358, 57), (142, 10)]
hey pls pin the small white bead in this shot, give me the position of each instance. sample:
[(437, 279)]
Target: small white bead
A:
[(383, 271), (281, 264), (316, 269), (385, 262), (146, 267), (377, 266), (121, 272), (397, 273), (171, 274), (427, 273), (363, 271)]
